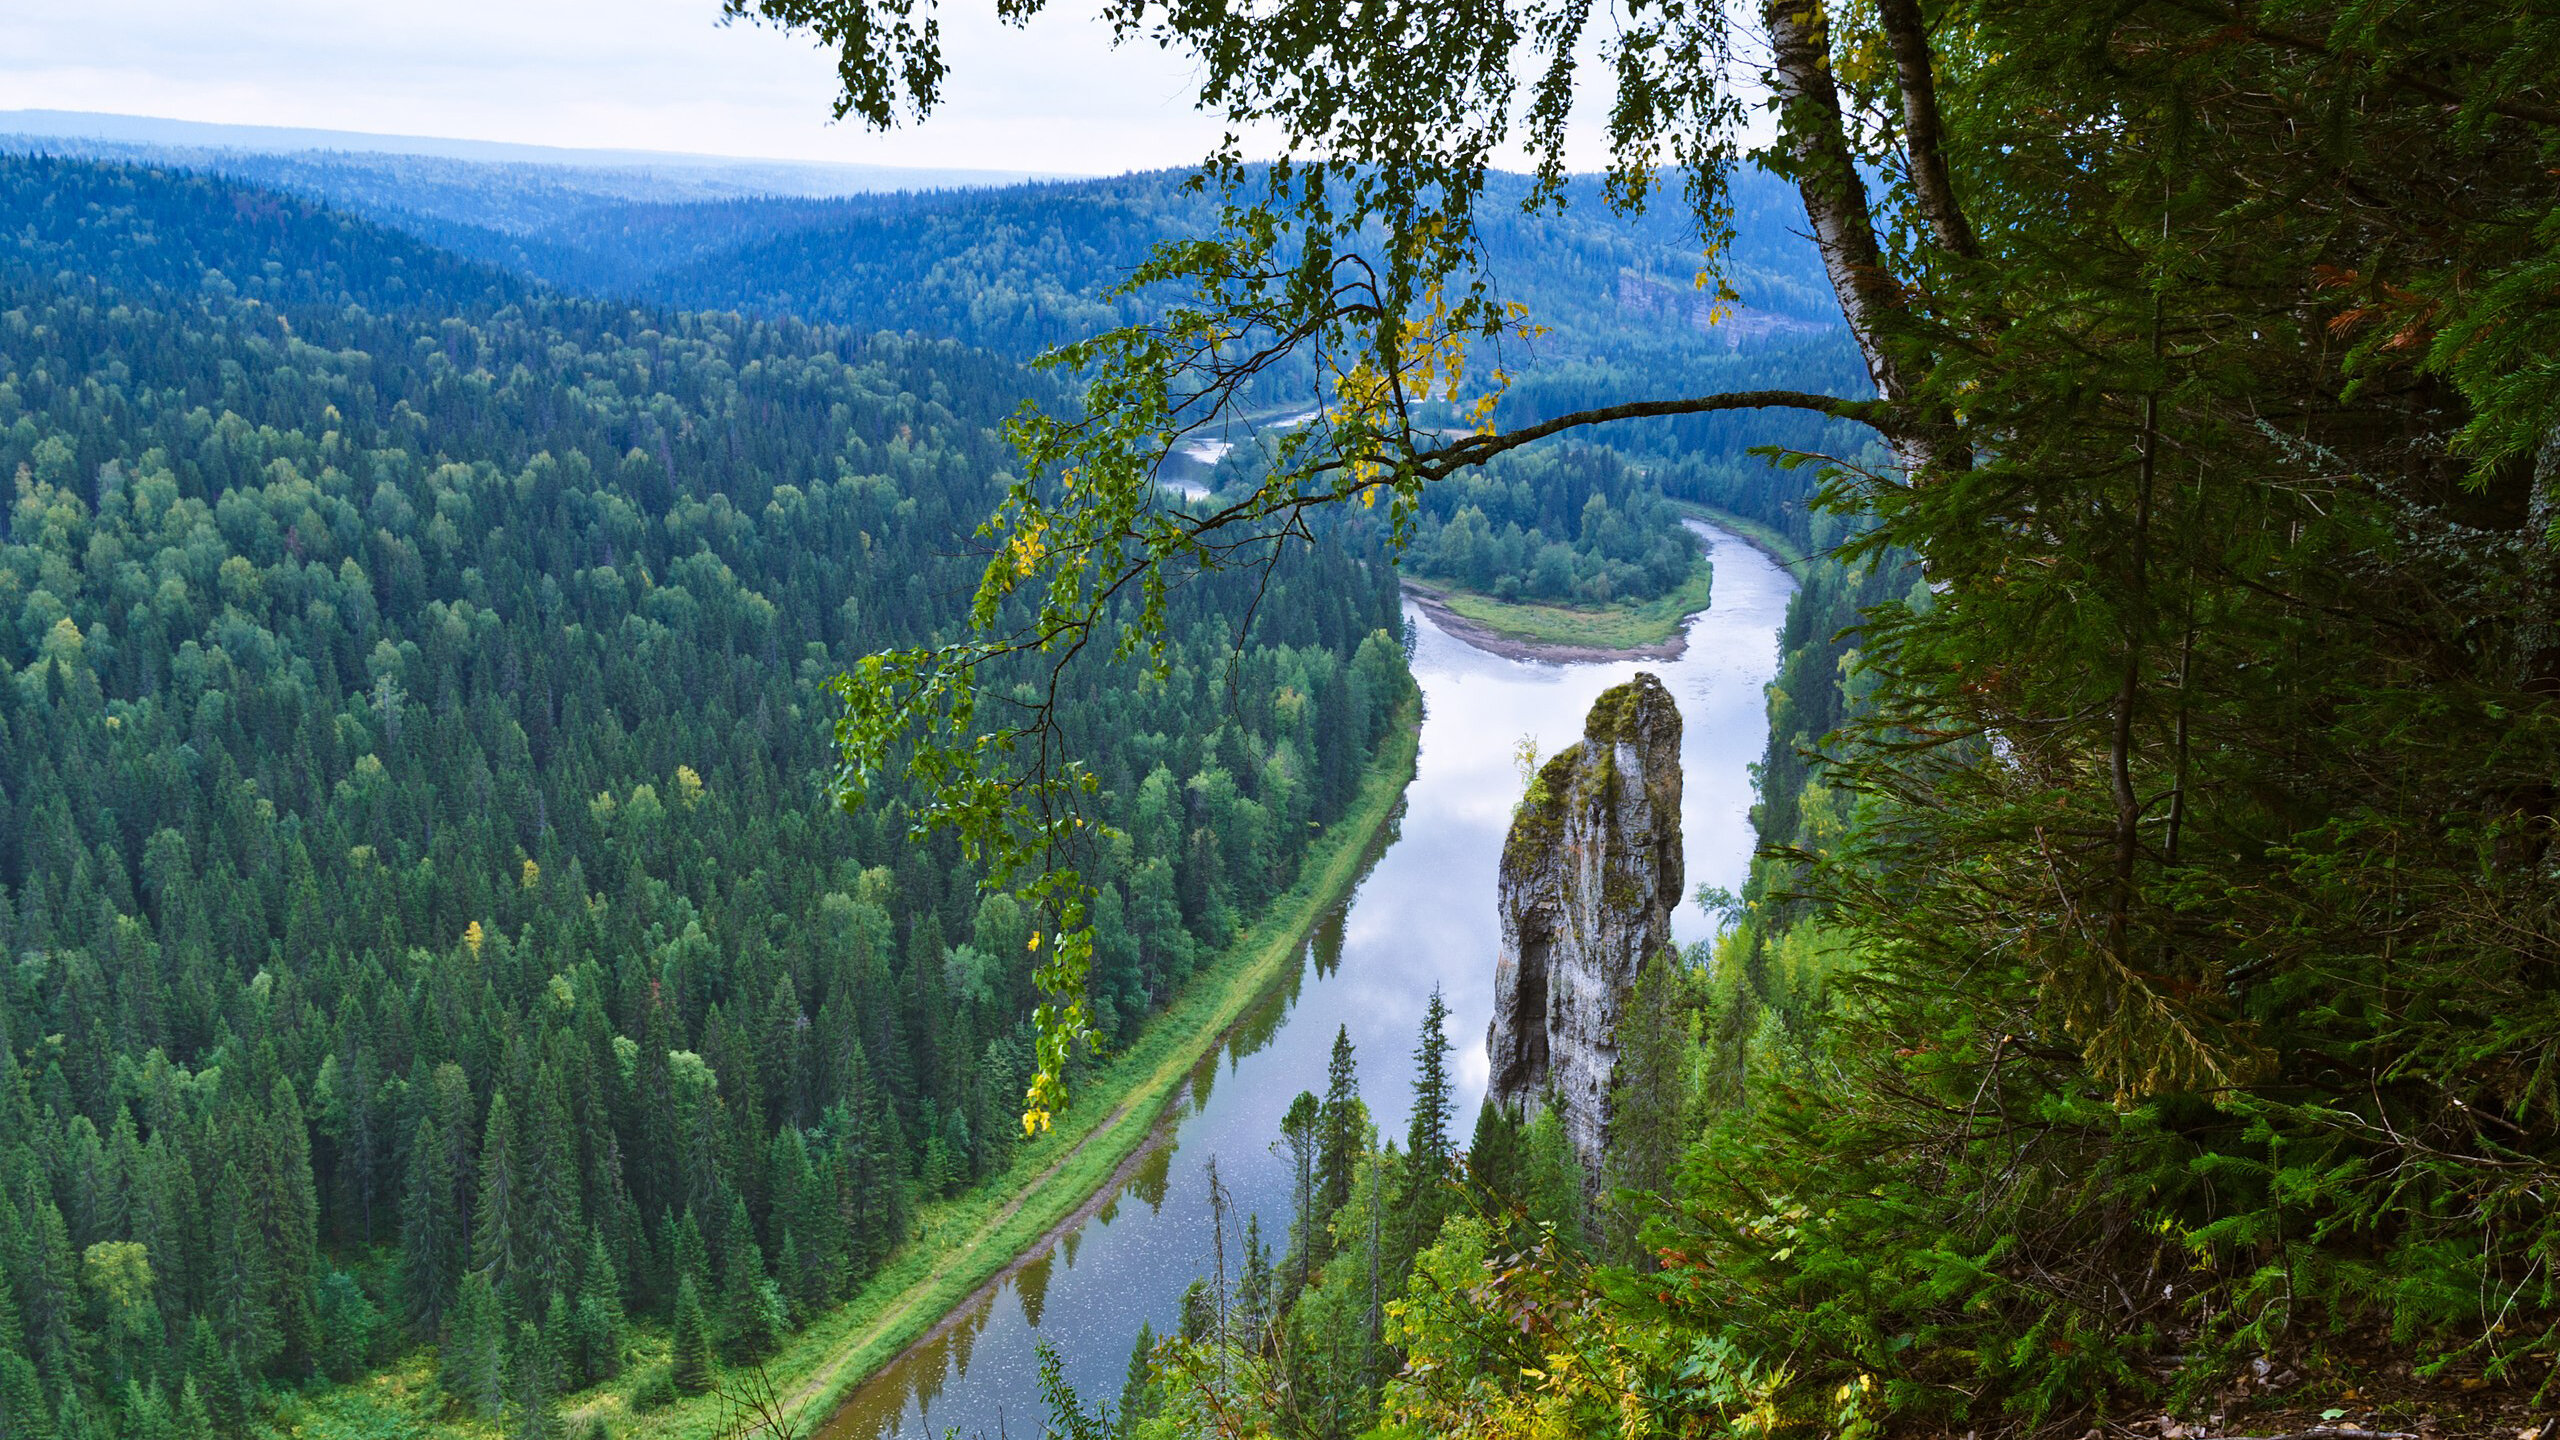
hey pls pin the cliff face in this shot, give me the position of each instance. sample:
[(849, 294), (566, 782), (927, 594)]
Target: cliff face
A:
[(1590, 874)]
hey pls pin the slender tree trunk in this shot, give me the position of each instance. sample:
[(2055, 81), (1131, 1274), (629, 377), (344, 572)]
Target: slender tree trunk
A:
[(1835, 199), (2539, 650), (1815, 138), (1924, 137), (2128, 802)]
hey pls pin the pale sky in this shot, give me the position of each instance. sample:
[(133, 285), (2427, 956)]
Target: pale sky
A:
[(618, 74), (625, 74)]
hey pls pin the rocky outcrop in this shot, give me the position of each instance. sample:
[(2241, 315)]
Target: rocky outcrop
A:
[(1590, 875)]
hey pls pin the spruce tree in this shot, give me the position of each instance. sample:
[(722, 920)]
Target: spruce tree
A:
[(347, 1322), (1302, 1135), (1255, 1292), (1140, 1396), (498, 1221), (1551, 1177), (290, 1222), (428, 1231), (1493, 1157), (529, 1385), (1427, 1155), (1651, 1100), (750, 1307), (599, 1317), (21, 1392), (472, 1364), (1345, 1128), (213, 1373), (554, 1225), (689, 1334), (242, 1281), (688, 1257), (195, 1417), (559, 1343)]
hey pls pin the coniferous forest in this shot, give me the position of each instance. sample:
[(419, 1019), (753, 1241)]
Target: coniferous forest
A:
[(437, 977), (425, 920)]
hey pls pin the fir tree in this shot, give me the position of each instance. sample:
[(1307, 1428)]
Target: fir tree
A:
[(751, 1320), (1651, 1100), (530, 1385), (599, 1317), (472, 1364), (1345, 1124), (429, 1231), (690, 1341), (498, 1221)]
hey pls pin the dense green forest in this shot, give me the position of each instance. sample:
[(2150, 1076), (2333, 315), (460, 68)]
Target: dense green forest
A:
[(1574, 525), (1018, 269), (425, 923)]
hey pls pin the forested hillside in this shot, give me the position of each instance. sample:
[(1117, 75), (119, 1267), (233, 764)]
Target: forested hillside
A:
[(425, 921), (1019, 269), (1024, 268)]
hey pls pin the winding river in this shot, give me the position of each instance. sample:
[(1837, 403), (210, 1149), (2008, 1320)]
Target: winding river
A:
[(1423, 916)]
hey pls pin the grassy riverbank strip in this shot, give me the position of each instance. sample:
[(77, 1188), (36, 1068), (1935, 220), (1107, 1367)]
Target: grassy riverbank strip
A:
[(1768, 539), (966, 1241), (1596, 627), (971, 1240)]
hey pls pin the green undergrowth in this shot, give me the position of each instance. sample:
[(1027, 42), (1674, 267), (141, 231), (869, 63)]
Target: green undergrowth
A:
[(961, 1243)]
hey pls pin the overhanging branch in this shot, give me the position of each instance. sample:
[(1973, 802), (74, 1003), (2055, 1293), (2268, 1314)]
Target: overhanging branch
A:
[(1476, 449)]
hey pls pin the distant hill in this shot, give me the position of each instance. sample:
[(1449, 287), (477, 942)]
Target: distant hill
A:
[(722, 174), (138, 229), (1017, 268), (543, 211)]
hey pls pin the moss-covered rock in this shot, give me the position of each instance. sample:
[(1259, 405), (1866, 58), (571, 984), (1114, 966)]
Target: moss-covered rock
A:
[(1590, 874)]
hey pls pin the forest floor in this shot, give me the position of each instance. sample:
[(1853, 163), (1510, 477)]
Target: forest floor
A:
[(964, 1245), (1647, 630)]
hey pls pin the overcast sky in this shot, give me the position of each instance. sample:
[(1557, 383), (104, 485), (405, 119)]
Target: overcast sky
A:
[(637, 74)]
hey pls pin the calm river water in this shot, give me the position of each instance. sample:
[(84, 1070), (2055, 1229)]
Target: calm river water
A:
[(1423, 916)]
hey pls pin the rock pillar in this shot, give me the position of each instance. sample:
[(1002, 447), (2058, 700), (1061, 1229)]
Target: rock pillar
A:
[(1590, 875)]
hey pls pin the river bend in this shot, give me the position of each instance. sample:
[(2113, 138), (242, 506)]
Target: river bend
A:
[(1422, 916)]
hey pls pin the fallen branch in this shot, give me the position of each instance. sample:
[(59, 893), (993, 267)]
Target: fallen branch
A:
[(2323, 1433)]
